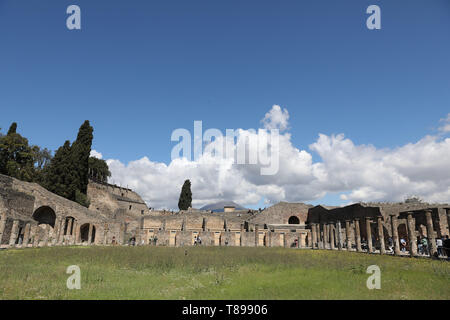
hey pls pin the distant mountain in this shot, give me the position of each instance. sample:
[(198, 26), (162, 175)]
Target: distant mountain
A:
[(218, 206)]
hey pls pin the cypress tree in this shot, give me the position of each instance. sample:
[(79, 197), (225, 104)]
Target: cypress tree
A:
[(58, 177), (185, 201), (81, 150), (12, 128)]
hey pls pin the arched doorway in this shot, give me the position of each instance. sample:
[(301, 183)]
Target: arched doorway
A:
[(45, 215), (294, 220), (84, 233), (68, 226)]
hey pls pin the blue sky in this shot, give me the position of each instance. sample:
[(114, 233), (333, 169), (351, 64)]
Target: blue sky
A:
[(140, 69)]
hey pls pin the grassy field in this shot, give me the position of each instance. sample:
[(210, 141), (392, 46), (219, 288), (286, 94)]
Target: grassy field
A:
[(215, 273)]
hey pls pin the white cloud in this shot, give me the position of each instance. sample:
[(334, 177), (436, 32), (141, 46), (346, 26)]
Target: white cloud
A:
[(446, 124), (96, 154), (276, 118), (359, 172)]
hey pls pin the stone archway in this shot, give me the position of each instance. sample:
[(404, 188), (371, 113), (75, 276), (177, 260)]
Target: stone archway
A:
[(293, 220), (69, 225), (85, 229), (45, 215)]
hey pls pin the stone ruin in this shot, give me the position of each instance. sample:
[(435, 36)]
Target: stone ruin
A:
[(31, 216)]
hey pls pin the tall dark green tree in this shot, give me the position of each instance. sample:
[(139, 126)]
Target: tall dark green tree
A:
[(98, 170), (81, 150), (59, 175), (16, 156), (185, 201)]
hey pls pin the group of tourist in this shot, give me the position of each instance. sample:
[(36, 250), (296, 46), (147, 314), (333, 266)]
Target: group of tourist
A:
[(423, 246), (153, 240), (197, 240)]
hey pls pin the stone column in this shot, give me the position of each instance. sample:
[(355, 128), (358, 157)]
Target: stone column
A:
[(125, 229), (347, 235), (430, 233), (381, 235), (2, 225), (357, 235), (314, 235), (339, 235), (256, 234), (74, 232), (322, 236), (26, 235), (105, 234), (69, 227), (36, 236), (61, 231), (325, 235), (302, 240), (318, 235), (412, 235), (13, 235), (90, 233), (369, 235), (330, 228), (394, 226), (46, 234), (56, 231), (77, 233), (32, 234), (316, 226)]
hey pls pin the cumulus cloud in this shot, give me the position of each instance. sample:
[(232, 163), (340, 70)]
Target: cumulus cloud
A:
[(96, 154), (445, 127), (276, 118), (356, 172)]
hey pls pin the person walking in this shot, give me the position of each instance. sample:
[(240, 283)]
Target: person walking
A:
[(440, 246), (425, 245), (420, 246), (391, 245), (403, 244)]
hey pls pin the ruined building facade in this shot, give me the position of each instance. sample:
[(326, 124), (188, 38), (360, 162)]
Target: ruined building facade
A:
[(31, 216)]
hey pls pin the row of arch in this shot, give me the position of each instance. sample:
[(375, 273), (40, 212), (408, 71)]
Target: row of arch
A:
[(45, 215)]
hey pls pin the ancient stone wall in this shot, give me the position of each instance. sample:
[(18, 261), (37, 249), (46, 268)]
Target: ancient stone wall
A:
[(30, 204), (281, 212)]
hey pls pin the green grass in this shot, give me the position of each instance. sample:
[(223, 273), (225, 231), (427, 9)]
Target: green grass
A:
[(216, 273)]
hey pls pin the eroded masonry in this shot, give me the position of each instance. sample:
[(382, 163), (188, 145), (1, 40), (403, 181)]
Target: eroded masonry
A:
[(31, 216)]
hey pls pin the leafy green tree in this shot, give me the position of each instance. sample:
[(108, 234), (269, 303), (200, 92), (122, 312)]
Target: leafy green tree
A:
[(41, 160), (98, 170), (16, 156), (185, 201), (67, 174)]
